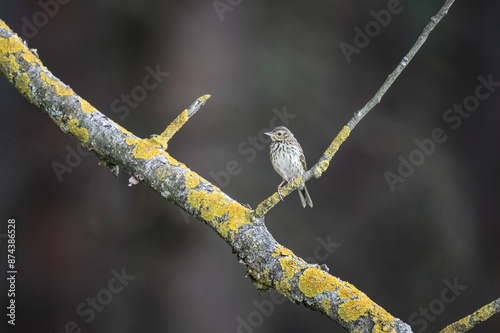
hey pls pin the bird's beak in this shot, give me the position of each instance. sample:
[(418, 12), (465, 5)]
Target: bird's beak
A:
[(269, 133)]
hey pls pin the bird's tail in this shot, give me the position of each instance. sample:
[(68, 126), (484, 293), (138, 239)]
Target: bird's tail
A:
[(305, 199)]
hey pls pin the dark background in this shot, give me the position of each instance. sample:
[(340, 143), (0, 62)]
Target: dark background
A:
[(399, 247)]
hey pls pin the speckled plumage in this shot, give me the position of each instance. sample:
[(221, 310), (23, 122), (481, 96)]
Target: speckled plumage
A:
[(288, 160)]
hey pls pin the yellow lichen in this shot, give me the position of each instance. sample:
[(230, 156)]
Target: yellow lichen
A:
[(339, 139), (325, 304), (383, 318), (214, 206), (174, 162), (204, 98), (11, 51), (283, 288), (238, 216), (472, 320), (4, 26), (145, 149), (332, 149), (22, 83), (191, 180), (484, 313), (173, 128), (79, 132), (14, 44), (269, 203), (131, 140), (265, 274), (344, 292), (9, 66), (12, 63), (281, 251), (86, 107), (352, 309), (10, 45), (28, 56), (315, 281), (290, 266), (263, 279), (175, 125), (61, 88)]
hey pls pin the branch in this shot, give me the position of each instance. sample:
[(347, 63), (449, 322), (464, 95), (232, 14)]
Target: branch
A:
[(483, 314), (164, 137), (323, 163), (269, 264)]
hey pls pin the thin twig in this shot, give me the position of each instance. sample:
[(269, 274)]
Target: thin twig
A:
[(401, 66), (178, 122), (483, 314), (323, 163)]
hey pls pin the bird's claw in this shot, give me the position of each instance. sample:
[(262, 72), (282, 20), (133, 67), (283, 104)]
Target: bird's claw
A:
[(279, 195)]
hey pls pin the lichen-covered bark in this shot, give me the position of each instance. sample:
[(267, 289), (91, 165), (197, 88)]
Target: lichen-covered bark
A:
[(481, 315), (269, 264)]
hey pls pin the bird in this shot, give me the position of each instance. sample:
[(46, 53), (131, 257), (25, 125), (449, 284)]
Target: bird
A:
[(288, 160)]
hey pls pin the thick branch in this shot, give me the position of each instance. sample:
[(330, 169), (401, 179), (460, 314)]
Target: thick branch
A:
[(324, 161)]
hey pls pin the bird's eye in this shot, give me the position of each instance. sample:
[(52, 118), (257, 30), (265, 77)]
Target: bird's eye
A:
[(279, 133)]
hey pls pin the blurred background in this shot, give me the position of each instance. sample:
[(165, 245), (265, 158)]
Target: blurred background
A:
[(98, 256)]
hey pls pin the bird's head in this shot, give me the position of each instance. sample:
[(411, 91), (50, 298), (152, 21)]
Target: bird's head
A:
[(280, 133)]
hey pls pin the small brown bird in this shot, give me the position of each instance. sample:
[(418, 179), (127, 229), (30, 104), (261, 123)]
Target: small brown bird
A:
[(288, 160)]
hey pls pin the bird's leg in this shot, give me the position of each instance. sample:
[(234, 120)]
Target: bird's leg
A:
[(279, 188), (292, 180)]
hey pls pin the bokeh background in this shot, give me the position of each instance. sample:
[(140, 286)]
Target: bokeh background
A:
[(399, 247)]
